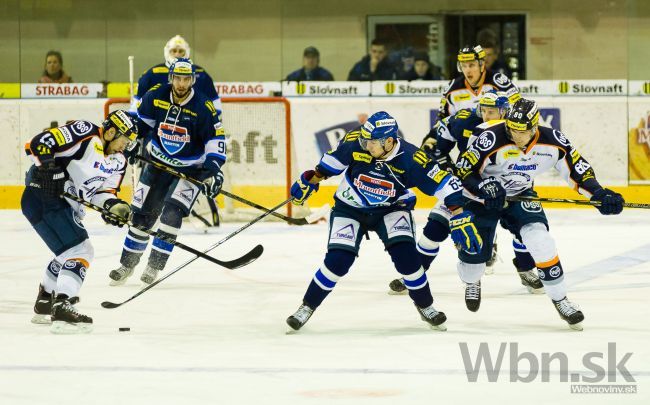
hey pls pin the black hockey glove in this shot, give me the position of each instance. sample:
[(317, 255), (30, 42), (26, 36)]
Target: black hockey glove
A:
[(132, 151), (119, 208), (212, 185), (611, 203), (50, 179), (493, 194)]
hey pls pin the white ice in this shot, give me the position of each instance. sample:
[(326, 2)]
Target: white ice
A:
[(210, 335)]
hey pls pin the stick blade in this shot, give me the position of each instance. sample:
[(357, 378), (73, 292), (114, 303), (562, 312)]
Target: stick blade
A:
[(245, 259), (109, 305)]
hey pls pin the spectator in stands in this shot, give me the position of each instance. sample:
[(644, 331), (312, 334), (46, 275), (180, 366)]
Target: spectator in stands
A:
[(310, 68), (53, 72), (373, 66), (422, 69), (490, 44)]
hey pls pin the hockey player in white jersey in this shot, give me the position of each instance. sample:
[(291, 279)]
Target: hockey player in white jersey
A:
[(504, 161), (84, 160), (475, 79)]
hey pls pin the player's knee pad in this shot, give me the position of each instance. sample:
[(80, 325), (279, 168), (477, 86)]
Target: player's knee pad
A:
[(470, 272), (84, 252), (171, 217), (339, 261), (538, 241), (141, 219), (405, 257), (436, 230)]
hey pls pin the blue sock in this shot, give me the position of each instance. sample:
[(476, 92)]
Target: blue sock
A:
[(336, 264)]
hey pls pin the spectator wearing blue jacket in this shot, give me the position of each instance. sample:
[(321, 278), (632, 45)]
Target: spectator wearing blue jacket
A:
[(310, 70)]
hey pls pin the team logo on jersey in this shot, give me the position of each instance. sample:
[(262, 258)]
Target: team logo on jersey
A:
[(531, 206), (541, 274), (187, 195), (138, 197), (561, 138), (374, 190), (516, 166), (555, 271), (437, 174), (485, 141), (347, 233), (401, 225), (173, 137), (81, 127), (501, 80), (54, 267)]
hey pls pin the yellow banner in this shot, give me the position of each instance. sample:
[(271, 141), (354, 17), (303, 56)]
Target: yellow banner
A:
[(9, 90), (119, 90)]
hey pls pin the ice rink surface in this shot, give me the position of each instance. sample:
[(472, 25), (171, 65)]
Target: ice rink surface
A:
[(208, 335)]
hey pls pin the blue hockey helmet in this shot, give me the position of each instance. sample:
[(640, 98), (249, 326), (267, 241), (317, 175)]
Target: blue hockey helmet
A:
[(379, 125), (493, 99), (182, 67)]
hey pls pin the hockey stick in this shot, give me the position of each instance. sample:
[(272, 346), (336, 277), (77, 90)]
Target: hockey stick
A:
[(292, 221), (578, 202), (232, 264), (111, 305)]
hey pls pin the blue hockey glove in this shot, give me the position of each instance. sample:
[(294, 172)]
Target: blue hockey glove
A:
[(464, 233), (611, 203), (50, 179), (118, 208), (302, 188), (492, 193), (212, 185)]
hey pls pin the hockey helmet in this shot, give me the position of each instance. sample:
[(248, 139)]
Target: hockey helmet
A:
[(379, 125), (523, 115), (182, 67), (493, 99), (123, 122), (176, 42), (468, 54)]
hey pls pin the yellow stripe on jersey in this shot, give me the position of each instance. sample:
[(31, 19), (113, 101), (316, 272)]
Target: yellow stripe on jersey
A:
[(352, 136), (421, 158)]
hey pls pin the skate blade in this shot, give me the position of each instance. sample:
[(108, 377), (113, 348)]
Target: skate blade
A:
[(577, 326), (391, 292), (117, 283), (489, 270), (535, 291), (67, 328), (441, 328), (39, 319)]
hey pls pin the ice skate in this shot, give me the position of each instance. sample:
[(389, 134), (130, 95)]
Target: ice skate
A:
[(300, 317), (570, 313), (473, 296), (149, 275), (42, 307), (120, 275), (66, 319), (529, 278), (397, 287), (434, 318)]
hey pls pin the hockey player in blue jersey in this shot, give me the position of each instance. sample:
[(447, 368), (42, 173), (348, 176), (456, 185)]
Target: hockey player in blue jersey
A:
[(378, 168), (504, 161), (188, 136), (84, 160), (177, 47), (458, 130)]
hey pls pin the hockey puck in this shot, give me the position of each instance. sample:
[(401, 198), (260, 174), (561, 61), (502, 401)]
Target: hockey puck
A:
[(125, 329)]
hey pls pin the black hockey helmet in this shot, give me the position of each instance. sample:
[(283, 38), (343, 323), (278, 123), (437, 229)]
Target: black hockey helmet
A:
[(123, 122), (523, 115), (470, 53)]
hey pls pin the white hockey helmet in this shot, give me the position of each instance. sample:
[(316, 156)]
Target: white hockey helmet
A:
[(176, 42)]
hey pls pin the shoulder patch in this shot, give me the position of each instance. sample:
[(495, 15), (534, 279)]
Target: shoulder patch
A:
[(501, 80), (210, 107), (361, 157), (161, 104), (160, 69), (463, 114), (485, 141), (420, 157), (81, 127), (561, 138), (351, 136)]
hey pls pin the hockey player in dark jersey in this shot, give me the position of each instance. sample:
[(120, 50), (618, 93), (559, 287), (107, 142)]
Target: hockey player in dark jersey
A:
[(504, 161), (176, 47), (188, 136), (475, 79), (458, 130), (84, 160), (377, 169)]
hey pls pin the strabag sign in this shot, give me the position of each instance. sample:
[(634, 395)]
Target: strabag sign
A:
[(325, 89), (61, 90), (248, 89)]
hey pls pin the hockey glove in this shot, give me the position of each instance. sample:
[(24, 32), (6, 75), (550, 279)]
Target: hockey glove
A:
[(492, 193), (464, 233), (611, 203), (132, 151), (119, 208), (51, 179), (302, 188), (212, 185), (429, 144)]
